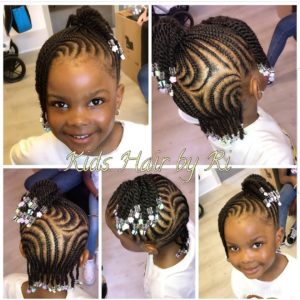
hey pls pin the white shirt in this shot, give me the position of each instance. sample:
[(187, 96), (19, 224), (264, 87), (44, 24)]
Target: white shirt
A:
[(285, 286), (12, 288), (264, 143), (177, 281), (47, 149)]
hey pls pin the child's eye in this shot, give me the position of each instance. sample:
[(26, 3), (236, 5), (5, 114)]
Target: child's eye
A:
[(233, 248), (59, 104), (257, 245), (95, 102)]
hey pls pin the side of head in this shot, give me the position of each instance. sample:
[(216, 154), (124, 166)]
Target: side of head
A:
[(259, 201), (163, 213), (54, 243), (214, 62), (87, 35)]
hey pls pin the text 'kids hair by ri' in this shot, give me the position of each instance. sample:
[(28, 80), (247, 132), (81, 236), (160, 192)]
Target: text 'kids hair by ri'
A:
[(251, 236), (80, 94), (150, 214), (216, 72)]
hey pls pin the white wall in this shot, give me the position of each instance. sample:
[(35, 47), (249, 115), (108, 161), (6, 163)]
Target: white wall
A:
[(41, 30)]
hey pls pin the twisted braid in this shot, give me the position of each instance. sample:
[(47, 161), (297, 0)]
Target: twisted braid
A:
[(249, 201), (143, 191), (212, 60), (54, 243), (87, 32)]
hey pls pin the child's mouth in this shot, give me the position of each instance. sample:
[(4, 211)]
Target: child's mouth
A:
[(80, 138), (250, 271)]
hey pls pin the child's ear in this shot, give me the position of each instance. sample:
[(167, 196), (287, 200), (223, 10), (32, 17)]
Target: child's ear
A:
[(150, 249), (84, 257), (254, 87), (21, 249), (279, 236), (120, 93)]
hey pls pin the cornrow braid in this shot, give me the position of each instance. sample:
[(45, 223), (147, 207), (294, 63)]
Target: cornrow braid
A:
[(54, 243), (211, 61), (87, 32), (249, 201), (144, 190)]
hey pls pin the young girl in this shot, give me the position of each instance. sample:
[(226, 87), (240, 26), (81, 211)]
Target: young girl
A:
[(150, 214), (78, 84), (216, 73), (250, 232), (53, 233)]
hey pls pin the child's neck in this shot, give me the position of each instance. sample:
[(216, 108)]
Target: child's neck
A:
[(166, 256), (250, 114), (41, 293)]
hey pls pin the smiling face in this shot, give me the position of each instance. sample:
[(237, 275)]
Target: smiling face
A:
[(82, 100), (252, 242)]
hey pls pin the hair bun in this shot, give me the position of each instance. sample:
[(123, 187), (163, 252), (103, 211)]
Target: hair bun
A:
[(253, 183), (45, 191), (91, 19)]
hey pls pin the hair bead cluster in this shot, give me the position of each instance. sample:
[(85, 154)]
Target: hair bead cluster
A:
[(257, 197), (211, 60)]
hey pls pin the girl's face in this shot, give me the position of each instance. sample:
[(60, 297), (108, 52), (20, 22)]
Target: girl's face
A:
[(251, 244), (82, 101)]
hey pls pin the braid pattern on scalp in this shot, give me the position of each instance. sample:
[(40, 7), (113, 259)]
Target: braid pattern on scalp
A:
[(87, 32), (249, 201), (55, 242), (143, 191), (211, 59)]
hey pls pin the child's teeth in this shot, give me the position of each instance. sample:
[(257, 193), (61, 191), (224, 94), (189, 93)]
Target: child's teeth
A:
[(81, 136)]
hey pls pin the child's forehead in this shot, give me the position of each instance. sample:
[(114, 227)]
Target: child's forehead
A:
[(260, 219)]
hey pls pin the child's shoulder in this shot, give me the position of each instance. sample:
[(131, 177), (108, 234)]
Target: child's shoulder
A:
[(37, 150)]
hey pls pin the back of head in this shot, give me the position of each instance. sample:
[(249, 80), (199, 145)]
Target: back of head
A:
[(211, 60), (258, 197), (54, 240), (151, 195), (86, 32)]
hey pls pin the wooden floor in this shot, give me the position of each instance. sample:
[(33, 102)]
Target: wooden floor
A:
[(171, 134), (214, 275), (124, 270), (13, 262)]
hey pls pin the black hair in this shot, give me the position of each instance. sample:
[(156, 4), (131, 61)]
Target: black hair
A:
[(144, 190), (86, 32), (211, 61), (249, 201), (54, 243)]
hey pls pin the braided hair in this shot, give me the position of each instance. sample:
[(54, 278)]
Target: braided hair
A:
[(54, 243), (144, 190), (87, 32), (249, 201), (211, 60)]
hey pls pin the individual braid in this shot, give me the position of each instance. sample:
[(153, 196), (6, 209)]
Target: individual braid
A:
[(249, 201), (87, 32), (212, 60), (144, 190), (54, 243)]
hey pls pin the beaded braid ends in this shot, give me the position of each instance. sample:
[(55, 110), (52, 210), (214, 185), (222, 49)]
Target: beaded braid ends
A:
[(53, 234), (257, 197)]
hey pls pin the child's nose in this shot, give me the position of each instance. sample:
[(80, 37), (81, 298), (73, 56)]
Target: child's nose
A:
[(78, 117), (246, 256)]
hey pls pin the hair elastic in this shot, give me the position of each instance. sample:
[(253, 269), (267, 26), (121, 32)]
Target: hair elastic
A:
[(270, 197), (267, 72)]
